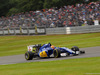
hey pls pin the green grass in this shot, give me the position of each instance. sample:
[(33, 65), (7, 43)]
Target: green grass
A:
[(59, 67), (14, 45)]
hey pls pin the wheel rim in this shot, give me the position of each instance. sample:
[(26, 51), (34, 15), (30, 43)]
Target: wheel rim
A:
[(26, 56)]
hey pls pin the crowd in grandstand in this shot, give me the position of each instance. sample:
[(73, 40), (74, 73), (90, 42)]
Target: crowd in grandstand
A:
[(67, 16)]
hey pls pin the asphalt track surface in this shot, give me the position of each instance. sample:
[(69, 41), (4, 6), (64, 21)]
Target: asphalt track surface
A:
[(90, 52)]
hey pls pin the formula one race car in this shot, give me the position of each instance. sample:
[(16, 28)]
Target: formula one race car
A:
[(46, 50)]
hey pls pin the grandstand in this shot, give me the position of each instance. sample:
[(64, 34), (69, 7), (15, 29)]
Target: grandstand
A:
[(67, 16)]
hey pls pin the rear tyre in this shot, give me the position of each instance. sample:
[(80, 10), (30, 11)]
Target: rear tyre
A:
[(29, 55), (76, 50), (56, 53)]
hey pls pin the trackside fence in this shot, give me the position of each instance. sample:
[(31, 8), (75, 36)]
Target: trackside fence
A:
[(23, 31), (49, 31), (74, 30)]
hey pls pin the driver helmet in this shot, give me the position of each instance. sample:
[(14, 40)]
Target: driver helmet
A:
[(53, 47)]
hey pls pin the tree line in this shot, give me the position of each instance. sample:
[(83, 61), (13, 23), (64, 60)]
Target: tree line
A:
[(9, 7)]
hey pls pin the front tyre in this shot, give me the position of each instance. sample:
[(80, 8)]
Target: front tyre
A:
[(76, 50), (56, 53), (29, 55)]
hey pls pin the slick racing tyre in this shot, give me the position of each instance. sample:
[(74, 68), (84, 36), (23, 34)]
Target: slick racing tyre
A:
[(76, 50), (56, 53), (29, 55)]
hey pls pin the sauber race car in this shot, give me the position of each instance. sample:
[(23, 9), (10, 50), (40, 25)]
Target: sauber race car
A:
[(48, 50)]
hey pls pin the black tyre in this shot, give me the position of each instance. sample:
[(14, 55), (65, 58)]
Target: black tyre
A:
[(56, 53), (29, 55), (75, 49)]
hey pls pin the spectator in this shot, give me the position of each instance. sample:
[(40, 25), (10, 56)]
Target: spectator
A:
[(65, 16)]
